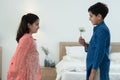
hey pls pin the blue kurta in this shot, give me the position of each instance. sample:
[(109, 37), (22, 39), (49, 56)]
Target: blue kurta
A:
[(98, 51)]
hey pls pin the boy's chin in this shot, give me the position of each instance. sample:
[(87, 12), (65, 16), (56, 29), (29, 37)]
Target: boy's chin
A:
[(94, 23)]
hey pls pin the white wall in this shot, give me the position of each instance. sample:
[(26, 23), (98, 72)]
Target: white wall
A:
[(60, 20)]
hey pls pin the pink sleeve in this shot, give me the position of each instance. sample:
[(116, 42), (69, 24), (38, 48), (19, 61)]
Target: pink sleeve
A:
[(22, 50), (18, 63)]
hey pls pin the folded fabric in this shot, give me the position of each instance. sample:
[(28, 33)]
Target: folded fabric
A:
[(69, 64)]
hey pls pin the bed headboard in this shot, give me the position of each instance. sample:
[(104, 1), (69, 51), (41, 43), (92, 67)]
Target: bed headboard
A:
[(0, 63), (62, 51)]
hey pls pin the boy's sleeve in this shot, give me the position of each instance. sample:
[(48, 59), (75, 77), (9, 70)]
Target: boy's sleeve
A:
[(100, 48), (86, 49)]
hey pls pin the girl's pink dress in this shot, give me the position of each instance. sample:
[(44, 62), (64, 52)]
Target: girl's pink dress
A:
[(24, 65)]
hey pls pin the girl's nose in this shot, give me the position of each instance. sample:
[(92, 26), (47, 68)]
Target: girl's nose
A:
[(38, 27)]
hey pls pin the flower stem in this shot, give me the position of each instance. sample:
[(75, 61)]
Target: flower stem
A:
[(81, 34)]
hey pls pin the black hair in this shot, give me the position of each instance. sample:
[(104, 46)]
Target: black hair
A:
[(99, 8), (23, 27)]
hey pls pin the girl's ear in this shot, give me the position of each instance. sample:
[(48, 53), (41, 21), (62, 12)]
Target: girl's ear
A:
[(28, 25)]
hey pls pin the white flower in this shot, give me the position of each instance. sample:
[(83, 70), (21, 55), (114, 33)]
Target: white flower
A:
[(82, 29)]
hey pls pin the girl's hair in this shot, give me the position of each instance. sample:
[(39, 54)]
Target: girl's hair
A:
[(23, 27)]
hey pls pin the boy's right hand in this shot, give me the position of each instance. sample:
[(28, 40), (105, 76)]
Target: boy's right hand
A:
[(82, 41)]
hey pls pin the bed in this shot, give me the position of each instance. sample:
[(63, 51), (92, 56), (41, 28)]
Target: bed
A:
[(76, 74)]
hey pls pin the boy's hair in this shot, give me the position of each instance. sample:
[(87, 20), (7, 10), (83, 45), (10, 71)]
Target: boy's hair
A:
[(99, 8)]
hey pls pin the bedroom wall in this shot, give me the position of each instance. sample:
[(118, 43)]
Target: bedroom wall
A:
[(59, 21)]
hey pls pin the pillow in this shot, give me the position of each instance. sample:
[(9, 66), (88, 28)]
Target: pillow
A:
[(115, 57), (110, 48), (75, 51)]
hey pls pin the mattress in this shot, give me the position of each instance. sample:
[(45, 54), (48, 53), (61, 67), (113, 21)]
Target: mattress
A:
[(70, 68), (114, 74), (82, 76), (73, 76)]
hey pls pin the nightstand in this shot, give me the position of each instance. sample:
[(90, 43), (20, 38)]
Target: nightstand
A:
[(48, 73)]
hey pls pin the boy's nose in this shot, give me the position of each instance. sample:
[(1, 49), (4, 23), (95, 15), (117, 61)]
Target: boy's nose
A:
[(38, 27)]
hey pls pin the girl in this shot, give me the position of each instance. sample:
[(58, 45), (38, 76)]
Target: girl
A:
[(24, 64)]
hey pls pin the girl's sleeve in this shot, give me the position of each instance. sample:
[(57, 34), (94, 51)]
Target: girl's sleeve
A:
[(17, 68), (22, 50)]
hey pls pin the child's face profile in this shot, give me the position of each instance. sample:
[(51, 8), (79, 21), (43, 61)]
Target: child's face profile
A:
[(33, 28), (95, 19)]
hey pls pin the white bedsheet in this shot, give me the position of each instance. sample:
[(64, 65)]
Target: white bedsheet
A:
[(74, 69), (69, 64), (114, 74), (73, 76), (82, 76)]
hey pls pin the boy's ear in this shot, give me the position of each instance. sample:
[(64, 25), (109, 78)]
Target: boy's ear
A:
[(99, 16)]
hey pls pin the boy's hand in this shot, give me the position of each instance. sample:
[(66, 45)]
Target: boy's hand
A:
[(81, 41), (92, 74), (91, 77)]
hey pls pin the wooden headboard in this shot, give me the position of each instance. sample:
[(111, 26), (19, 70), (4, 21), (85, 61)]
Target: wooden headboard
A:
[(0, 63), (62, 52)]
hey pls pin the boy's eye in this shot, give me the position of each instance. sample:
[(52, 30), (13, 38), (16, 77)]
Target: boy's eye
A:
[(37, 23), (91, 16)]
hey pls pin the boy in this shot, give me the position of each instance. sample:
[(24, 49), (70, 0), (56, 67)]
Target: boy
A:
[(98, 48)]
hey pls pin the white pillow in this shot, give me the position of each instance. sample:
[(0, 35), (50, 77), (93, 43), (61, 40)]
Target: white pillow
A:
[(75, 51)]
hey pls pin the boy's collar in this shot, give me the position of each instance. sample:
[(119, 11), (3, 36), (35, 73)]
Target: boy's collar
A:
[(99, 23), (102, 22)]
